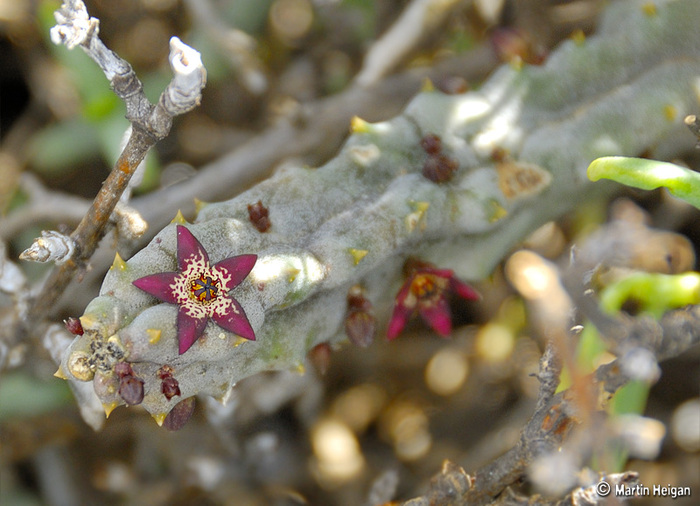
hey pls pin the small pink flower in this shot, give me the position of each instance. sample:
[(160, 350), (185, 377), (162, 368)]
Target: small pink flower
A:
[(426, 291), (201, 290)]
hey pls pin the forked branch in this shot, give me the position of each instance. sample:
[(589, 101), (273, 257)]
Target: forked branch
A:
[(149, 124)]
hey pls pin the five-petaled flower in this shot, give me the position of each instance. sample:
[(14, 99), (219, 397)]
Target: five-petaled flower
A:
[(426, 291), (201, 290)]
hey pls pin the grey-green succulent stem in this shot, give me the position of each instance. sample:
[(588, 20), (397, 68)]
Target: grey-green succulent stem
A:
[(354, 220)]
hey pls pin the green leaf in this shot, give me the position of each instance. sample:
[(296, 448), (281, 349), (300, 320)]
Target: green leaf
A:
[(590, 348), (656, 293), (648, 175), (630, 398)]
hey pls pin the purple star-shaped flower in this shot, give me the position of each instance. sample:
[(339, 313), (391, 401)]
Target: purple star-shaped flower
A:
[(426, 292), (201, 290)]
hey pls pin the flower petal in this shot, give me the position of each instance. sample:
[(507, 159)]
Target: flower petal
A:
[(437, 315), (235, 321), (188, 329), (158, 285), (402, 311), (463, 289), (188, 246), (238, 267), (398, 321)]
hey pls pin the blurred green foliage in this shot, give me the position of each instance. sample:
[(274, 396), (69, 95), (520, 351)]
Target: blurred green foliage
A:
[(654, 294), (23, 395), (95, 132)]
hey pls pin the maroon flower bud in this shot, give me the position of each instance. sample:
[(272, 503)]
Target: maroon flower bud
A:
[(165, 372), (170, 387), (357, 300), (452, 85), (180, 414), (431, 143), (360, 323), (513, 45), (131, 390), (259, 216), (74, 326), (360, 327), (320, 357), (439, 168), (123, 369)]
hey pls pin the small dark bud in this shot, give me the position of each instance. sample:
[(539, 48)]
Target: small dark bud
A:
[(439, 168), (74, 326), (500, 155), (131, 390), (360, 323), (179, 415), (259, 216), (357, 299), (123, 369), (320, 357), (360, 327), (431, 144), (170, 387), (165, 372)]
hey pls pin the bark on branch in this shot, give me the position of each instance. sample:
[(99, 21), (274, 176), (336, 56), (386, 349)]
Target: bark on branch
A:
[(149, 124)]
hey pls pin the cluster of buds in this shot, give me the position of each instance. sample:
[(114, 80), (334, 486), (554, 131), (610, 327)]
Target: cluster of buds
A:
[(130, 385), (259, 216), (74, 326), (169, 386), (438, 167)]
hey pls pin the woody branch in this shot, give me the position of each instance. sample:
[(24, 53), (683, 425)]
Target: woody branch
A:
[(149, 124)]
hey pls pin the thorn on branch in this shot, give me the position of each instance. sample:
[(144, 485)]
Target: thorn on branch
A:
[(50, 247)]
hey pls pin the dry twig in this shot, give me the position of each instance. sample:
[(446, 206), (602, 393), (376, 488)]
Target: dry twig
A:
[(149, 124), (418, 19), (563, 422)]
